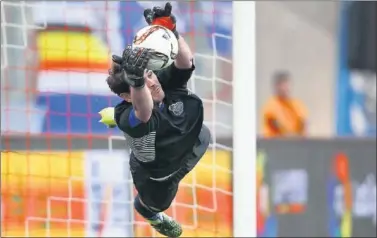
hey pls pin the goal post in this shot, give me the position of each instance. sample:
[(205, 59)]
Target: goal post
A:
[(244, 132)]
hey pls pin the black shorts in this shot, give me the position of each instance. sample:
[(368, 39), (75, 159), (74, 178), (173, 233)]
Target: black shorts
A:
[(159, 193)]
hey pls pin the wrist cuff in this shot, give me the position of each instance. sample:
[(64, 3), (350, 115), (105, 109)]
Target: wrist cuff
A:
[(138, 84)]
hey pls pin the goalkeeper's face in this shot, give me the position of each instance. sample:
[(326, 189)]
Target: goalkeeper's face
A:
[(154, 86)]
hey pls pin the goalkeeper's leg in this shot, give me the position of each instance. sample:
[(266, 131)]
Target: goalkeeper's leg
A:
[(156, 195), (161, 222)]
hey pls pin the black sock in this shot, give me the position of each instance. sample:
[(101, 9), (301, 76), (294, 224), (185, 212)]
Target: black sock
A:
[(142, 210)]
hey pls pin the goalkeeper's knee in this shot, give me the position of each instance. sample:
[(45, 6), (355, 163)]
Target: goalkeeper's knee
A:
[(144, 210)]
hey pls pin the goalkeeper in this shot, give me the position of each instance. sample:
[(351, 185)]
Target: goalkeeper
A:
[(162, 122)]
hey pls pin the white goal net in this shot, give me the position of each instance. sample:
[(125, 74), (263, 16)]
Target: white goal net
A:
[(56, 53)]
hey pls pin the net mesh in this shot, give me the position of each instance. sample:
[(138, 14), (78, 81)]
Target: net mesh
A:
[(62, 173)]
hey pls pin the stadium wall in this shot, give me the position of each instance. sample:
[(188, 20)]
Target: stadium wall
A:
[(300, 37)]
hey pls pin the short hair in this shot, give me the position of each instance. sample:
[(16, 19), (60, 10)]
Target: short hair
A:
[(116, 82), (281, 76)]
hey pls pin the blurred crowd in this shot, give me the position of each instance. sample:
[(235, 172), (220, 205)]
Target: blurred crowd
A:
[(316, 64)]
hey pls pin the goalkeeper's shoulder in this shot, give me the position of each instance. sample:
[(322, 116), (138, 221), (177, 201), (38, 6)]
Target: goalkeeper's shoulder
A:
[(127, 121), (122, 114)]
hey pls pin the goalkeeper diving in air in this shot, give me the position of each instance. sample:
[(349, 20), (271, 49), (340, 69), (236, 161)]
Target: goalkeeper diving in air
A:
[(162, 122)]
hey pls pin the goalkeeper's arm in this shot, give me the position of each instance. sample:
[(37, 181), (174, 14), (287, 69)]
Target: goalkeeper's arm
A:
[(142, 108), (164, 17), (178, 74), (142, 103), (184, 57)]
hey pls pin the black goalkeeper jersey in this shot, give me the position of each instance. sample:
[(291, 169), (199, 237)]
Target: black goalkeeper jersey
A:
[(173, 129)]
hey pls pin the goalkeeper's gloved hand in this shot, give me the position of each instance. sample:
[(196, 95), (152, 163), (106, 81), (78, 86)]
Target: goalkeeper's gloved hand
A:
[(134, 63), (162, 17), (107, 117)]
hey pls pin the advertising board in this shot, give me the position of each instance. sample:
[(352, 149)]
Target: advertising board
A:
[(328, 188), (57, 194), (90, 194), (305, 188)]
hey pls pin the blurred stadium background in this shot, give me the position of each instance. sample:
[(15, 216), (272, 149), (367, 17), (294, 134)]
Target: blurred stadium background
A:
[(58, 163)]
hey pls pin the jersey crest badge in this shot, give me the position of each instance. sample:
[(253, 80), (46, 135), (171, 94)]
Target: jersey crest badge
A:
[(176, 108)]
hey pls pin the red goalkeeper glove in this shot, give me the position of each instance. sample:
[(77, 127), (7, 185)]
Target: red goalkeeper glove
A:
[(162, 17)]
